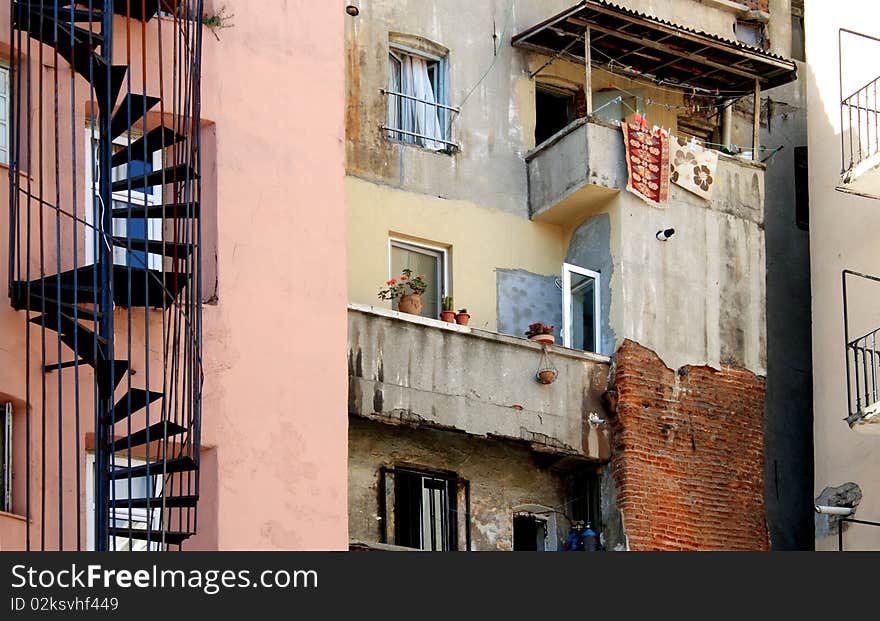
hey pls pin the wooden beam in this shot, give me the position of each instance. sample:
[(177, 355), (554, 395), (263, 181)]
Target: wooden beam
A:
[(588, 65), (756, 131)]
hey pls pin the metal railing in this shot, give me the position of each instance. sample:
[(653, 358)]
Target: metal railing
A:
[(862, 359), (445, 117), (860, 138)]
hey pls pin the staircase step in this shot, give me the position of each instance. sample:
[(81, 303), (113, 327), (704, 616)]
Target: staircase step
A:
[(158, 432), (108, 374), (154, 140), (171, 211), (134, 401), (174, 174), (40, 24), (157, 246), (67, 326), (172, 538), (132, 109), (156, 468), (169, 502), (141, 10), (39, 304)]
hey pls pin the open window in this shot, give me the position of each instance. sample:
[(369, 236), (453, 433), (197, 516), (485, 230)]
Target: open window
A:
[(581, 308), (554, 110), (418, 108), (425, 515), (124, 519), (422, 259), (136, 197)]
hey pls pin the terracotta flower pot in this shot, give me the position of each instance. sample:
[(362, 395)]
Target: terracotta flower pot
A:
[(549, 339), (410, 304), (547, 376), (448, 316), (462, 319)]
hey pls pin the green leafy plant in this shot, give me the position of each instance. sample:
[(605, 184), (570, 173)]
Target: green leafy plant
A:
[(405, 285)]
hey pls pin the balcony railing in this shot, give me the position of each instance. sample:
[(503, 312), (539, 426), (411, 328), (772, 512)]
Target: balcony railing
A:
[(860, 140), (862, 365), (424, 112)]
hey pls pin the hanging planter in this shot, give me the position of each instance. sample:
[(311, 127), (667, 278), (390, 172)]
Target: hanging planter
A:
[(546, 373)]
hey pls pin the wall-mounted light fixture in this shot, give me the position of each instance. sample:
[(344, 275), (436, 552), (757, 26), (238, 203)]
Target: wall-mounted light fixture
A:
[(352, 10), (665, 234)]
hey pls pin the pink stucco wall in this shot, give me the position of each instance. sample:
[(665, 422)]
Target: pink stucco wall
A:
[(274, 416)]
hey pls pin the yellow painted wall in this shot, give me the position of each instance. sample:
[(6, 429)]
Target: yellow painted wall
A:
[(479, 241)]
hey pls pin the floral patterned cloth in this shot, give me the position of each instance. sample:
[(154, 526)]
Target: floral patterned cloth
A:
[(694, 167), (647, 161)]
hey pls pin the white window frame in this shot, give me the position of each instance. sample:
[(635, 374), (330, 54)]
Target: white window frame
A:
[(6, 449), (134, 515), (5, 102), (136, 198), (441, 253), (567, 270)]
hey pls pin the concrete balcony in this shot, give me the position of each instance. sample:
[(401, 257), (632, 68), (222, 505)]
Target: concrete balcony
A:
[(575, 170), (407, 370)]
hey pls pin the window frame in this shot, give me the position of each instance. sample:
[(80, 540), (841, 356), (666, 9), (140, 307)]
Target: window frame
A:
[(6, 73), (443, 481), (441, 95), (440, 252), (135, 197), (6, 457), (567, 270), (130, 515)]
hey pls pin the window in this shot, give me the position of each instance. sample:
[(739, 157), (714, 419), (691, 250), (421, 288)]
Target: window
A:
[(4, 115), (6, 455), (422, 259), (750, 33), (424, 510), (801, 189), (123, 518), (529, 533), (418, 110), (580, 308), (554, 110), (131, 228)]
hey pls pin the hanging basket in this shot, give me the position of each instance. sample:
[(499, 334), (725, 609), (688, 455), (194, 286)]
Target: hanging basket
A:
[(546, 373)]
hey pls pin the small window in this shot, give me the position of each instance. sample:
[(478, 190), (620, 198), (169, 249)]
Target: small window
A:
[(424, 511), (750, 33), (529, 533), (6, 456), (418, 109), (4, 115), (801, 188), (131, 228), (554, 111), (422, 259), (581, 308), (123, 519)]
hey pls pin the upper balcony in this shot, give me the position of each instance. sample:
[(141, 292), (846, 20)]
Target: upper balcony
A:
[(580, 166), (859, 117), (409, 370)]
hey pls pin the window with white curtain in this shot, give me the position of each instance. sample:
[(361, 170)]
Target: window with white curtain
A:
[(418, 110), (4, 115)]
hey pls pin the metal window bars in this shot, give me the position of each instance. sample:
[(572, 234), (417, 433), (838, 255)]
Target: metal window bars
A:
[(859, 120), (862, 361), (445, 115)]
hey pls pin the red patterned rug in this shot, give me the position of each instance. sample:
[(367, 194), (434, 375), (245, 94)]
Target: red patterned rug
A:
[(647, 162)]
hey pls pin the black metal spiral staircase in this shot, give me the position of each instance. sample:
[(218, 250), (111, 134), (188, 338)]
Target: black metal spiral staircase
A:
[(146, 437)]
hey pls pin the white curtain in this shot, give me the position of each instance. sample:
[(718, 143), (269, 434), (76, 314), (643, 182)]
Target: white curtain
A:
[(419, 117)]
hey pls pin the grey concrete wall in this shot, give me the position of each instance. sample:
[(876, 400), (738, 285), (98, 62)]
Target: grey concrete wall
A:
[(488, 78), (590, 248), (502, 478), (788, 420), (414, 371), (525, 298)]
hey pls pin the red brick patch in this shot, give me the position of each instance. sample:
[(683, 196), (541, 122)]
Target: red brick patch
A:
[(688, 455)]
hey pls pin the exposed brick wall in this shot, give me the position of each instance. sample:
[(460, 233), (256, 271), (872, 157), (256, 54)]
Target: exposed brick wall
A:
[(688, 455), (757, 5)]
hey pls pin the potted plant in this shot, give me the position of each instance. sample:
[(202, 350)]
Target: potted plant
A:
[(540, 333), (447, 314), (408, 290), (462, 317)]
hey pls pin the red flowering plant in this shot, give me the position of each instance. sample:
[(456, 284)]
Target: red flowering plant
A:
[(539, 328), (405, 285)]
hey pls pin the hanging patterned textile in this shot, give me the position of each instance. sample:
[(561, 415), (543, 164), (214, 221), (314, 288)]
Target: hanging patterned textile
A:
[(647, 162), (694, 167)]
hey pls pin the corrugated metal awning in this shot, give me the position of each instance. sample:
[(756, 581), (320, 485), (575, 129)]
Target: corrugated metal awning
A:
[(662, 52)]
